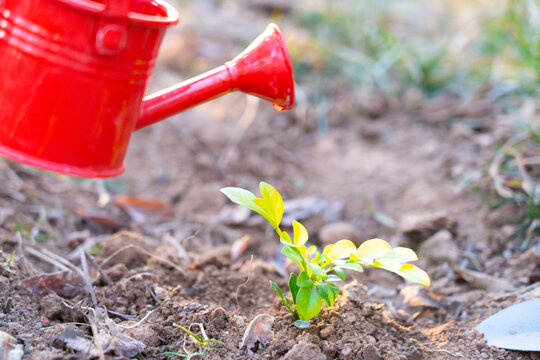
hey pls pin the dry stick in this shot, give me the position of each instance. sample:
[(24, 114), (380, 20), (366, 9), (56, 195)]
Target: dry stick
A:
[(496, 164), (93, 321), (94, 263), (441, 350), (47, 259), (87, 280), (62, 261), (243, 284), (138, 323), (160, 259)]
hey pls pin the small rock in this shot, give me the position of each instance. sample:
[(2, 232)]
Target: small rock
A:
[(117, 272), (333, 232), (370, 352), (347, 353), (417, 227), (145, 334), (439, 248), (51, 306), (329, 349), (129, 248), (373, 105), (304, 351)]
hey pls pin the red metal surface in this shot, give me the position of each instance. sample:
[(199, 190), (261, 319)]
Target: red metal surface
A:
[(73, 74), (263, 69)]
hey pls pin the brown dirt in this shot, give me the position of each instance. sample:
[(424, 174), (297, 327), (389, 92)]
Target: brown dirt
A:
[(177, 263)]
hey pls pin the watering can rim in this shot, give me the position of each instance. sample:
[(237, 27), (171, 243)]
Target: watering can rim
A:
[(98, 9)]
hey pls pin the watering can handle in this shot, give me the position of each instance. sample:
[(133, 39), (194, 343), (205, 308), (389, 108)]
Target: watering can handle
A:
[(117, 8), (112, 32)]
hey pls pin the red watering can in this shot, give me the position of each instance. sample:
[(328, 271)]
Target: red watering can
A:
[(73, 75)]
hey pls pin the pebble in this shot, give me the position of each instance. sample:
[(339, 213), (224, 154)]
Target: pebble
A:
[(304, 351), (439, 248), (370, 352)]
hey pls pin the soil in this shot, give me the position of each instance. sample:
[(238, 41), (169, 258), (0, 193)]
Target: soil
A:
[(186, 256)]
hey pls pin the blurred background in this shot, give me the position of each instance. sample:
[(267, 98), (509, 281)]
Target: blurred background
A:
[(460, 73)]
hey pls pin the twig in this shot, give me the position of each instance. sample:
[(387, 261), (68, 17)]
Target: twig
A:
[(138, 322), (122, 316), (94, 263), (441, 350), (87, 280), (47, 259), (93, 325), (497, 162), (139, 275), (63, 261), (243, 284)]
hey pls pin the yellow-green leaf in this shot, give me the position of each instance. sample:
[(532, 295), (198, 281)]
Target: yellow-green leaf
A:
[(340, 250), (372, 249), (398, 255), (274, 201), (300, 234), (409, 272)]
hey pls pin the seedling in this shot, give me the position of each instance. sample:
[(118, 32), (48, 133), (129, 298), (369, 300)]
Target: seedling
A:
[(201, 343), (10, 261), (318, 272)]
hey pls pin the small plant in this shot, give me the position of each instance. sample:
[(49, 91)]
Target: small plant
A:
[(201, 343), (10, 261), (318, 272)]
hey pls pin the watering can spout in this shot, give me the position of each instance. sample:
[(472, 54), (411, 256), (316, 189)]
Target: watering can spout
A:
[(263, 69)]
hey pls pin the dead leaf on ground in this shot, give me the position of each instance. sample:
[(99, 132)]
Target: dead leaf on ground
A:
[(483, 281), (66, 284), (120, 344), (239, 246), (140, 209), (102, 217), (259, 333)]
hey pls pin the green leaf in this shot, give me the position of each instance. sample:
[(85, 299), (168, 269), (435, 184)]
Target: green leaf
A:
[(285, 239), (317, 271), (241, 197), (292, 253), (293, 287), (351, 266), (247, 199), (311, 250), (340, 273), (304, 281), (384, 219), (176, 354), (276, 288), (300, 234), (327, 293), (309, 303), (333, 278), (301, 324)]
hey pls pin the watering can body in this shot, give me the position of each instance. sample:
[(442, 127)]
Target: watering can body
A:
[(74, 74)]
